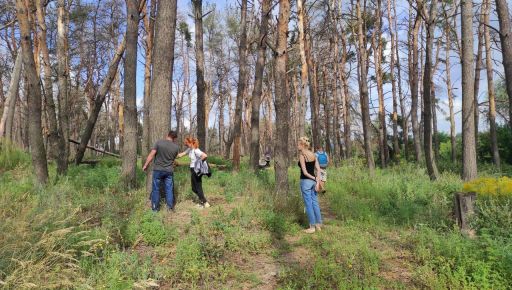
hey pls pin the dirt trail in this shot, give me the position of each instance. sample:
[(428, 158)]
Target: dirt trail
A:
[(265, 267)]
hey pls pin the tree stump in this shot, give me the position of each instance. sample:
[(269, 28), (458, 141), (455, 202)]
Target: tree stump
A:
[(464, 208)]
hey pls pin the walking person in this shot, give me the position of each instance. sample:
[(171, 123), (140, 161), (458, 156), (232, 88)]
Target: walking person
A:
[(164, 153), (308, 182), (323, 161), (196, 176)]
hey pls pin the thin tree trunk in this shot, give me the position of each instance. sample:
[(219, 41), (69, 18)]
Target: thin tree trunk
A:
[(478, 69), (129, 164), (469, 166), (303, 60), (403, 110), (98, 102), (57, 143), (490, 86), (201, 85), (450, 92), (258, 85), (413, 76), (37, 149), (396, 148), (149, 22), (377, 47), (6, 123), (506, 49), (427, 94), (363, 87), (345, 98), (313, 91), (62, 76), (281, 100), (242, 72)]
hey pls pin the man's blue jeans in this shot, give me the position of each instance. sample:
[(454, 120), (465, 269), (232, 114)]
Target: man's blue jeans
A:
[(167, 178), (310, 196)]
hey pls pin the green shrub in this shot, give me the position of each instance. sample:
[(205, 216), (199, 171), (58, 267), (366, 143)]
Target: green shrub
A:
[(453, 261), (150, 228), (493, 217), (11, 156), (190, 260)]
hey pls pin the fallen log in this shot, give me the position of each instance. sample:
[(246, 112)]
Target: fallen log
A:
[(95, 149)]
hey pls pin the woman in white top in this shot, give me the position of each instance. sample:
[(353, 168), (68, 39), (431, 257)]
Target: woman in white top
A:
[(194, 153)]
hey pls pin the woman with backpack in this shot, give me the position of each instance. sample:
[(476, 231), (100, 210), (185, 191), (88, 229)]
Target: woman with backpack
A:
[(309, 178), (195, 154)]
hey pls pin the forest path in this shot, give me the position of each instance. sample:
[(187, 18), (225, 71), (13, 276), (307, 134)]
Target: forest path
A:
[(295, 253)]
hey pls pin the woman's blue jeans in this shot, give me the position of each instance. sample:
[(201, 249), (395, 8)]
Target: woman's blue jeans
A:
[(310, 197), (167, 179)]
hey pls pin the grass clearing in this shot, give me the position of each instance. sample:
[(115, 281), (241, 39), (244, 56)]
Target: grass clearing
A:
[(390, 231)]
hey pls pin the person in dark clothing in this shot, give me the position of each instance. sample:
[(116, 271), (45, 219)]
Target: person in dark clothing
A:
[(163, 154), (308, 184), (195, 153)]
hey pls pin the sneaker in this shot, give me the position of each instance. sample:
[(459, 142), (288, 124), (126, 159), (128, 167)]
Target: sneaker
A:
[(200, 206), (318, 228), (310, 230), (170, 209), (206, 205)]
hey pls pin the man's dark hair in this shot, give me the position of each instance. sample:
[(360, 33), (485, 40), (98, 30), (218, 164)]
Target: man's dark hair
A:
[(172, 134)]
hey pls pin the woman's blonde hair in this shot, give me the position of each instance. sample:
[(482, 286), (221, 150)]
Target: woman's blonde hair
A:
[(304, 141)]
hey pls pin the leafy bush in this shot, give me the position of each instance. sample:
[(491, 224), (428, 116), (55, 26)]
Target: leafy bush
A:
[(453, 261), (150, 228), (11, 156), (190, 261)]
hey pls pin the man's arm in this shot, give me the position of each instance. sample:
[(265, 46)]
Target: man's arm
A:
[(151, 155)]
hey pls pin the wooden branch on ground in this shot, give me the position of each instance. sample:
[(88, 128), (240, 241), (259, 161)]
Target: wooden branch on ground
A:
[(95, 149)]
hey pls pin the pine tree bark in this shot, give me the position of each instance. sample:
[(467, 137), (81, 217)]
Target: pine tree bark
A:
[(63, 76), (129, 164), (490, 86), (149, 23), (159, 112), (506, 48), (377, 56), (363, 89), (258, 85), (37, 149), (242, 73), (345, 102), (200, 82), (427, 94), (469, 166), (478, 70), (281, 100), (450, 91), (405, 123), (413, 76), (53, 131), (303, 60), (6, 123), (396, 148)]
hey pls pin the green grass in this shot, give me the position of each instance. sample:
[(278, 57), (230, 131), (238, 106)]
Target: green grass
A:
[(84, 231)]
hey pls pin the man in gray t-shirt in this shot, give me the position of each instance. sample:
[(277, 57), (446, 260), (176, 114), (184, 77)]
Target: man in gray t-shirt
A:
[(163, 153)]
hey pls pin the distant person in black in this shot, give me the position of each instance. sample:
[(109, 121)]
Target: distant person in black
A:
[(163, 153)]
